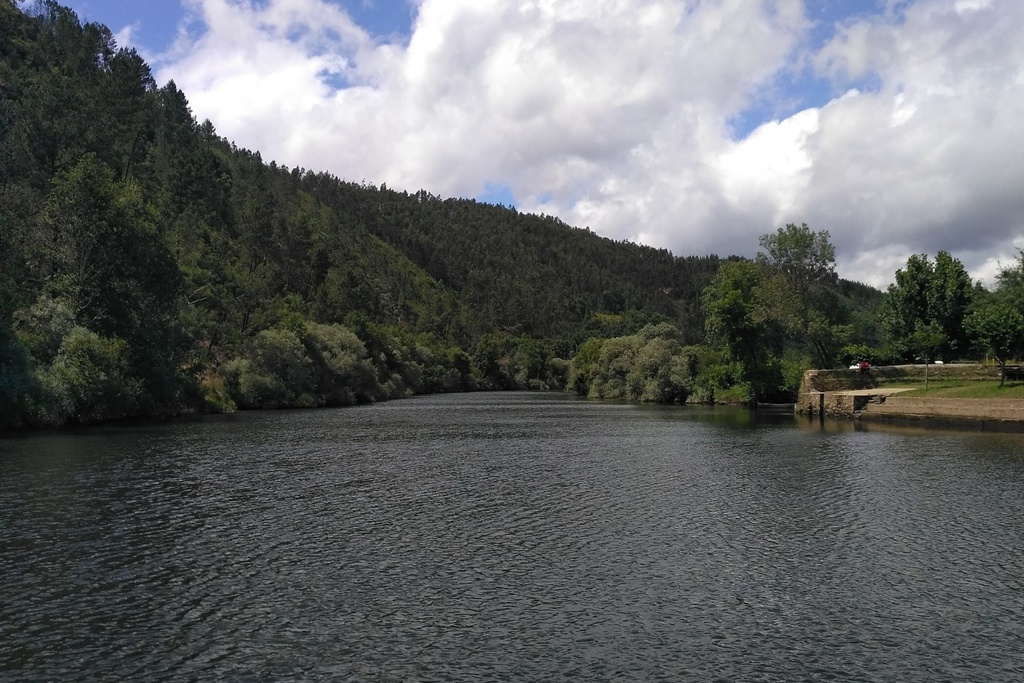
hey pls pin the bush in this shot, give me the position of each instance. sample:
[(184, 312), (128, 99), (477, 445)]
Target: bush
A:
[(611, 374), (649, 367), (660, 373), (276, 373), (89, 381), (43, 327), (583, 366), (216, 397), (341, 371)]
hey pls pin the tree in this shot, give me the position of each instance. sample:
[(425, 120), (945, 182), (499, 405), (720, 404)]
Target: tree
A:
[(949, 302), (276, 372), (660, 373), (996, 323), (741, 317), (614, 365), (583, 366), (997, 326), (340, 369), (803, 288), (1010, 282), (97, 250), (90, 380), (926, 294), (803, 258), (646, 367), (926, 341)]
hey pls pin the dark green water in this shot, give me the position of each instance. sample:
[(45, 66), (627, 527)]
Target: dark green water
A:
[(511, 537)]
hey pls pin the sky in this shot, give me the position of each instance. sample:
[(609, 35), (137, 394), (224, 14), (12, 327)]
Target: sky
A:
[(691, 125)]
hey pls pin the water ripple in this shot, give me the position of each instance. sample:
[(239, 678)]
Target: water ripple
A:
[(510, 537)]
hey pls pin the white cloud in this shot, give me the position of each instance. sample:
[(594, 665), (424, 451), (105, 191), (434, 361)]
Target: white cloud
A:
[(930, 159), (615, 115), (126, 35)]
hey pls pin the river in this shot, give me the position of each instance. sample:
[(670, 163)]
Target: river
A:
[(511, 537)]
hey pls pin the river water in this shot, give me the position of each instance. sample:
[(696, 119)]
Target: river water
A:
[(511, 537)]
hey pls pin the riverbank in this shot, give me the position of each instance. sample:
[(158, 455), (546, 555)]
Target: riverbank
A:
[(879, 395)]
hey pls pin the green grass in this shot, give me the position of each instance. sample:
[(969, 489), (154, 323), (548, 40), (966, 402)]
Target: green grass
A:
[(952, 389)]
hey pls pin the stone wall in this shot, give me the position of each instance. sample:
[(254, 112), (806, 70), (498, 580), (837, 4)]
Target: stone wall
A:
[(840, 405), (817, 395), (834, 403)]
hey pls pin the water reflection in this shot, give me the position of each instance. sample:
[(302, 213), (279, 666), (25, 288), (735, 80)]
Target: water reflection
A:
[(1005, 435)]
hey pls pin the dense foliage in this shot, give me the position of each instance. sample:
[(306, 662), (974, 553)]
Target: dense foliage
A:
[(924, 310), (150, 267), (995, 323)]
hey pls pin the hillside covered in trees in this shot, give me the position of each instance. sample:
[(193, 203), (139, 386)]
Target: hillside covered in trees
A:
[(150, 267)]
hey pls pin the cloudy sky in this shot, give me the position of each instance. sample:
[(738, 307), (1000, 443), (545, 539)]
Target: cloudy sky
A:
[(695, 125)]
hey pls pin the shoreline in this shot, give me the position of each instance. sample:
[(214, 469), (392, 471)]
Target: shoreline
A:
[(871, 397)]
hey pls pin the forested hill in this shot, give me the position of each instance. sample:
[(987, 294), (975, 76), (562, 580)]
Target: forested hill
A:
[(250, 235), (149, 266), (124, 217), (515, 272)]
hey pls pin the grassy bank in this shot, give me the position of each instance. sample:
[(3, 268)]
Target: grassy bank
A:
[(952, 389)]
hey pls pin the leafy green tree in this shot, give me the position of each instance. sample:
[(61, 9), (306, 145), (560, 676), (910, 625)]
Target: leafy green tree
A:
[(276, 372), (90, 380), (583, 366), (926, 296), (997, 326), (996, 322), (342, 373), (803, 288), (905, 306), (660, 373), (1010, 282), (649, 366), (611, 378), (950, 298), (741, 316), (803, 258), (99, 250)]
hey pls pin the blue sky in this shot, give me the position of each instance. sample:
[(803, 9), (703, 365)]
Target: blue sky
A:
[(156, 22), (694, 125)]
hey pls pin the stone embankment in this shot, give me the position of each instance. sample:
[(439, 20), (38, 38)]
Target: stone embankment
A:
[(875, 395)]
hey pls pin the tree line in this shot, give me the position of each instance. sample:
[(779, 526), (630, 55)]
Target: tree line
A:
[(150, 267), (789, 299)]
